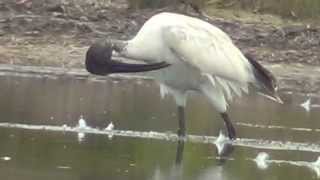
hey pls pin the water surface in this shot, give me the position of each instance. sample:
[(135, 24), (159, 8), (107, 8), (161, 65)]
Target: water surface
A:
[(136, 106)]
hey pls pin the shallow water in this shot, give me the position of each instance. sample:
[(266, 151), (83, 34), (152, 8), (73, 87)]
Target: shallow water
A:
[(39, 138)]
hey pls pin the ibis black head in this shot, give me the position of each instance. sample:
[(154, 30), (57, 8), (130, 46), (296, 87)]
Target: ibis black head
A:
[(99, 61)]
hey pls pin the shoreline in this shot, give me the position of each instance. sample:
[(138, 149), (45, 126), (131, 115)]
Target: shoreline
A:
[(291, 78)]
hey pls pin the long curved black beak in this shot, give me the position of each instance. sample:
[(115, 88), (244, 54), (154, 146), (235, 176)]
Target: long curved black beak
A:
[(99, 62), (121, 67)]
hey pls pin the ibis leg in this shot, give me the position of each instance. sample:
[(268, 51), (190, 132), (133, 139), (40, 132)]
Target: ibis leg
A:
[(182, 122), (229, 126), (179, 154)]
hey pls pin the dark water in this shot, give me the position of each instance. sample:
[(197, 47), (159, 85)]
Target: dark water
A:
[(136, 105)]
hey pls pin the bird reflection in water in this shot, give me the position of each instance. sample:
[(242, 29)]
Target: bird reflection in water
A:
[(176, 172), (224, 150)]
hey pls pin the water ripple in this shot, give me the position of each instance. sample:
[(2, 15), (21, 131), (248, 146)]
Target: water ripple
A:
[(242, 142)]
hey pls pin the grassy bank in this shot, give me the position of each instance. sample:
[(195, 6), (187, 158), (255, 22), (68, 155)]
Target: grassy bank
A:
[(295, 9), (285, 8)]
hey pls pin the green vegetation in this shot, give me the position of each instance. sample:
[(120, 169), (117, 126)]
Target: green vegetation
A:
[(284, 8), (137, 4), (161, 3)]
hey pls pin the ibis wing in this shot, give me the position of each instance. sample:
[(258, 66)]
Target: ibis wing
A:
[(210, 50)]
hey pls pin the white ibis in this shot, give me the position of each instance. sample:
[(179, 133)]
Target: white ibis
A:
[(186, 54)]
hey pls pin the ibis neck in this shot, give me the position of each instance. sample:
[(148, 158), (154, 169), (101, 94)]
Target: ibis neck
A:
[(130, 50), (124, 50), (118, 45)]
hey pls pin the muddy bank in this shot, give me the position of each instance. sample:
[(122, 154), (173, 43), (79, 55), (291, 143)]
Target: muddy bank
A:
[(51, 32)]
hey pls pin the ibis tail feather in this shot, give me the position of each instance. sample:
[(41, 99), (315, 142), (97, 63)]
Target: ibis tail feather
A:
[(266, 80)]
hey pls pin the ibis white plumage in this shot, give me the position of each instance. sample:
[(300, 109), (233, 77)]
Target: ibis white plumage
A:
[(186, 54)]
